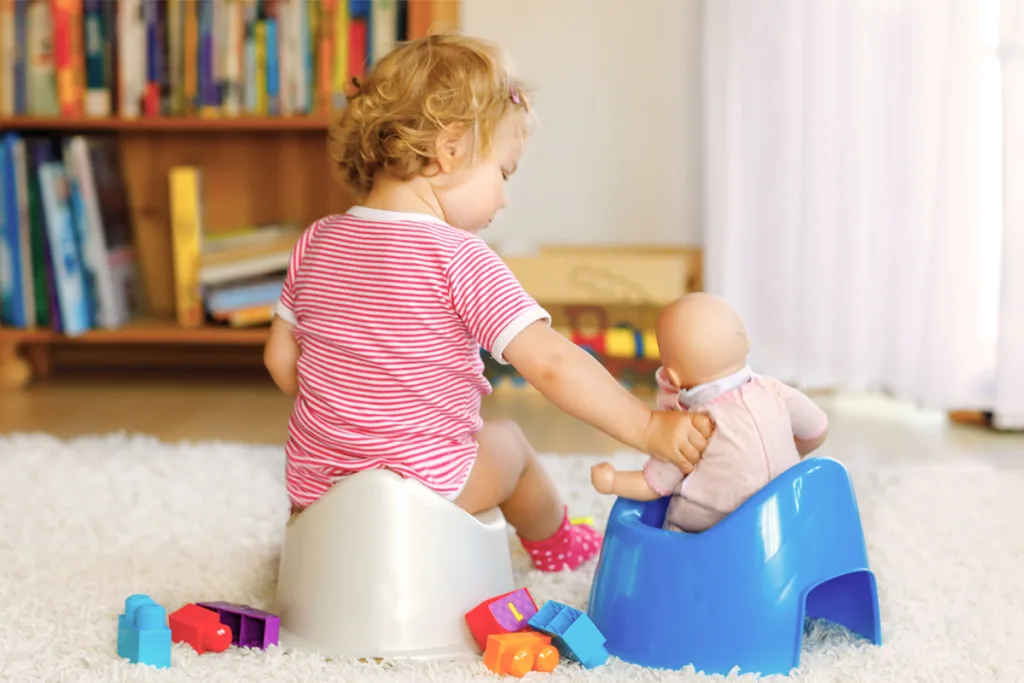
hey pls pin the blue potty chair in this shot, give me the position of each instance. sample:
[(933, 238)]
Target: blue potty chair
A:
[(737, 594)]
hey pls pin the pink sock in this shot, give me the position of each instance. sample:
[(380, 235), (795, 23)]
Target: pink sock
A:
[(570, 546)]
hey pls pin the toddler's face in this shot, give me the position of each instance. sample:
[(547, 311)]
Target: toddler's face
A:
[(471, 196)]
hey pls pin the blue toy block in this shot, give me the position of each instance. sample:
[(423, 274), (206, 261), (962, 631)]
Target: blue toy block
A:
[(143, 636), (572, 632), (737, 594)]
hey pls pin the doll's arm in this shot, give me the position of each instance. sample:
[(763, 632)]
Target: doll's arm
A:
[(809, 422), (807, 446), (632, 485)]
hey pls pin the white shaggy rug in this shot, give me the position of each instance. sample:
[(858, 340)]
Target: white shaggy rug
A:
[(88, 522)]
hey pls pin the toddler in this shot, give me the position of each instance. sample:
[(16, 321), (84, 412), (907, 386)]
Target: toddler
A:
[(761, 426), (385, 308)]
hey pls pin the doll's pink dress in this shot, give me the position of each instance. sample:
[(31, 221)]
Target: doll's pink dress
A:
[(755, 418)]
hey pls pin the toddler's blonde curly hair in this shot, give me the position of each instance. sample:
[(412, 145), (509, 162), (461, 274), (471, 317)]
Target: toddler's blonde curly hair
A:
[(392, 121)]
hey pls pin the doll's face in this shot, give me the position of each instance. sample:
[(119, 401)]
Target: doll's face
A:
[(701, 338)]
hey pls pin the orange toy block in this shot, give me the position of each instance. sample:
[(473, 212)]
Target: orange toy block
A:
[(200, 628), (520, 653)]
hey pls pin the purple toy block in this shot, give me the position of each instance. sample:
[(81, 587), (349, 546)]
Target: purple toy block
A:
[(250, 627)]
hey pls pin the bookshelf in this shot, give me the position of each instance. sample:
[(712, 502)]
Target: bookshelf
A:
[(167, 75), (114, 124), (255, 171)]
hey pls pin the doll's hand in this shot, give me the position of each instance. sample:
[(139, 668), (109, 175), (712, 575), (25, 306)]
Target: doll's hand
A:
[(602, 476), (677, 437)]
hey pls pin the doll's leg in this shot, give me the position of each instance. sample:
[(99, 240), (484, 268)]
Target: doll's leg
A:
[(507, 473)]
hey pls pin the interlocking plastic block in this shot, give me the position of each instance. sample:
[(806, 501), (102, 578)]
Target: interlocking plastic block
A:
[(573, 633), (142, 633), (201, 628), (507, 613), (737, 594), (520, 653), (250, 627)]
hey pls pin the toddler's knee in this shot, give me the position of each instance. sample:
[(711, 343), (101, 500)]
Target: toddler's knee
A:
[(506, 437)]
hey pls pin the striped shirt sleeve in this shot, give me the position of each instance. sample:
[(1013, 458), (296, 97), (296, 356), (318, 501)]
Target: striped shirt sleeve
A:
[(488, 297), (285, 308)]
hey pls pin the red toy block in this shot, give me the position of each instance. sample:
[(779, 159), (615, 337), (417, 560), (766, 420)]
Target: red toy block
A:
[(508, 613), (200, 628)]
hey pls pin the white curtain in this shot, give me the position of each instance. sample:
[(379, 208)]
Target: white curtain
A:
[(853, 193), (1009, 399)]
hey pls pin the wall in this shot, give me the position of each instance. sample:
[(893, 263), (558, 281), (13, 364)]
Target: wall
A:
[(616, 156)]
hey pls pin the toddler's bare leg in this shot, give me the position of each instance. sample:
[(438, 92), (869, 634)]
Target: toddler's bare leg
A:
[(508, 474)]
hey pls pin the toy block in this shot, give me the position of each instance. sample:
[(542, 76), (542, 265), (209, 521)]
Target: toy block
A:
[(250, 627), (506, 613), (651, 351), (572, 632), (519, 653), (201, 628), (142, 633)]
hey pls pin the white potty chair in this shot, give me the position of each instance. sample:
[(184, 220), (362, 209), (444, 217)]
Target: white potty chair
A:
[(382, 566)]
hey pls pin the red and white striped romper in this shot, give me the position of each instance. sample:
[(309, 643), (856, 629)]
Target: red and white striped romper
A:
[(390, 311)]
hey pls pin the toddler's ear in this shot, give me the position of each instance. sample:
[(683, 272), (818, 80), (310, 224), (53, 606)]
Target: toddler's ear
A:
[(451, 148)]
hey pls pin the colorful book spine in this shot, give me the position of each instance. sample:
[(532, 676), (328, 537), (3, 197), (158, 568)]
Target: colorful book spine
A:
[(186, 240), (80, 227), (151, 90), (20, 170), (12, 297), (72, 294), (42, 271), (97, 94), (20, 76)]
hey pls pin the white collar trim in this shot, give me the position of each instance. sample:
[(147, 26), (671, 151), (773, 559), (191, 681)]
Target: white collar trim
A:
[(706, 393), (385, 215)]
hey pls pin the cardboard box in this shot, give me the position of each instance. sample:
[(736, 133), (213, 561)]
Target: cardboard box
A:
[(608, 276)]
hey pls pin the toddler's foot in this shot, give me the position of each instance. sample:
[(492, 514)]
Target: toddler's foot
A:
[(570, 546)]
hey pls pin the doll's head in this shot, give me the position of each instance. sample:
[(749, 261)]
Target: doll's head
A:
[(445, 112), (701, 338)]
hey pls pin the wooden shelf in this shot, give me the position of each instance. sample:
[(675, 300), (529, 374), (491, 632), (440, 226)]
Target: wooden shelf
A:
[(149, 331), (246, 124)]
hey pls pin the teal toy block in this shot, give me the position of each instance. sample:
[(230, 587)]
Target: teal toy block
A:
[(572, 632), (143, 636)]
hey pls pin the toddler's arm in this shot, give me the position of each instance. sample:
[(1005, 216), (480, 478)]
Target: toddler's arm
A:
[(281, 356), (578, 384)]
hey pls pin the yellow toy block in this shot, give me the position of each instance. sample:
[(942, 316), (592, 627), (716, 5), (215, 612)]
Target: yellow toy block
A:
[(620, 342), (651, 345)]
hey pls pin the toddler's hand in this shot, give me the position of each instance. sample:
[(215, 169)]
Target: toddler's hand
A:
[(602, 476), (678, 437)]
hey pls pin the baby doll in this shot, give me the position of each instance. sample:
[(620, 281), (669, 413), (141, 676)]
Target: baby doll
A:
[(761, 425)]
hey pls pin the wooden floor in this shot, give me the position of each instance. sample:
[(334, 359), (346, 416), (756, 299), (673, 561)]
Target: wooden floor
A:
[(247, 408), (243, 408)]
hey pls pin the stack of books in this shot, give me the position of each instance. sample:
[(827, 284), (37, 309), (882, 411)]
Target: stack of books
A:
[(67, 255), (232, 277), (242, 273)]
